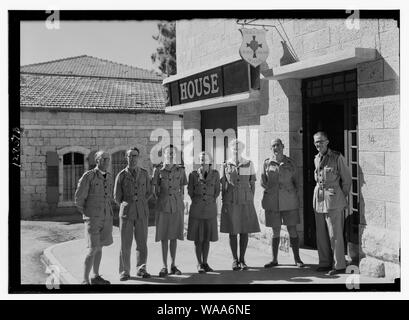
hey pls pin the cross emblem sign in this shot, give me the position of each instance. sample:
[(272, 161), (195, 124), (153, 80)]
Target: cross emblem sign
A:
[(254, 45)]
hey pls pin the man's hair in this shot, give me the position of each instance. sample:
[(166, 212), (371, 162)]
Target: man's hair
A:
[(169, 146), (278, 140), (98, 154), (321, 133), (130, 150), (237, 142), (207, 154)]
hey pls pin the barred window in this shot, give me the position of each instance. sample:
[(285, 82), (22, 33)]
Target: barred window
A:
[(73, 169)]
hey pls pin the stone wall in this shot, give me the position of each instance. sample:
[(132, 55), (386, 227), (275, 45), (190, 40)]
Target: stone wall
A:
[(44, 131), (202, 43)]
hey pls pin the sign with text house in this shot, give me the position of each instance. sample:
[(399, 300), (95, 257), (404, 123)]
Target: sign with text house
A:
[(232, 78)]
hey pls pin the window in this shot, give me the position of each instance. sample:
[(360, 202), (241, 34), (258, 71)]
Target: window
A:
[(73, 168), (118, 162), (72, 165)]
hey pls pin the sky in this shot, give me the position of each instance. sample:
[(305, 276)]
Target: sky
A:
[(127, 42)]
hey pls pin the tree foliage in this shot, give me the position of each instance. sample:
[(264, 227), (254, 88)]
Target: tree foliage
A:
[(165, 54)]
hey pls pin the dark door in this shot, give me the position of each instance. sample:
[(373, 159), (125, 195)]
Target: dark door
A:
[(330, 105), (223, 119)]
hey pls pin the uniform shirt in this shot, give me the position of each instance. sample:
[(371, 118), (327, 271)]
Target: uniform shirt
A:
[(238, 182), (280, 182), (203, 189), (132, 191), (94, 193), (169, 181), (333, 181)]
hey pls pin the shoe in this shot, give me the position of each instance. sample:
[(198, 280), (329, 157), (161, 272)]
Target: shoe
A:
[(142, 273), (300, 264), (333, 272), (175, 270), (85, 282), (200, 268), (124, 277), (243, 266), (271, 264), (163, 272), (235, 266), (207, 268), (323, 269), (99, 280)]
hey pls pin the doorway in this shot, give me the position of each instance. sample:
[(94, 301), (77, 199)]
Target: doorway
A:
[(330, 105)]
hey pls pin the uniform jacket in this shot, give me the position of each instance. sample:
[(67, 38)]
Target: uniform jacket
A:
[(203, 192), (94, 194), (169, 181), (238, 182), (280, 182), (132, 192), (333, 182)]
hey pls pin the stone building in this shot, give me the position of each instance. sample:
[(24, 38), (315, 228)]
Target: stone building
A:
[(321, 74), (69, 109)]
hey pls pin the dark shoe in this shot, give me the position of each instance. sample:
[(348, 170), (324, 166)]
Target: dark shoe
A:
[(207, 268), (235, 266), (163, 272), (243, 266), (142, 273), (200, 268), (174, 270), (271, 264), (99, 280), (124, 277), (334, 272), (323, 269)]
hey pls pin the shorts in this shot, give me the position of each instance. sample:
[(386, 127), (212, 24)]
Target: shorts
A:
[(98, 231), (278, 218)]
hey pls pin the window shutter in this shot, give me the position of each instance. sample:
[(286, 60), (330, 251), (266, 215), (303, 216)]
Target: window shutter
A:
[(91, 160), (52, 177)]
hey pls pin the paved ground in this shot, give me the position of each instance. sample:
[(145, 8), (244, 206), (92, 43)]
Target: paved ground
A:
[(68, 256)]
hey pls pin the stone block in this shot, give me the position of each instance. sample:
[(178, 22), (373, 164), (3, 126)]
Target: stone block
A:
[(372, 267), (392, 164), (393, 221), (392, 270), (387, 24), (391, 116), (373, 213), (382, 188), (372, 162), (389, 43), (370, 116), (378, 90), (370, 71), (379, 140), (380, 243)]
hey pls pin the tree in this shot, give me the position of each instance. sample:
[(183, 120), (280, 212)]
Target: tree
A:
[(165, 54)]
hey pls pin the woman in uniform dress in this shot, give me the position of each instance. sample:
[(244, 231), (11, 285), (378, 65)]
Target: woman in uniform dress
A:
[(280, 199), (168, 183), (203, 189), (238, 214)]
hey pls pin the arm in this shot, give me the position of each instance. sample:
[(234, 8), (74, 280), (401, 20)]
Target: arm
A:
[(217, 185), (118, 194), (183, 182), (253, 178), (148, 187), (155, 183), (81, 193), (346, 178), (190, 186), (264, 178), (294, 177)]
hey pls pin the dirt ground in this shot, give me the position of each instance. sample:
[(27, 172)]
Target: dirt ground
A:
[(41, 233)]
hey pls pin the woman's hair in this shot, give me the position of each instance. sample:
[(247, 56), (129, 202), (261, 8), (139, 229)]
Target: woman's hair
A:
[(206, 154), (237, 142)]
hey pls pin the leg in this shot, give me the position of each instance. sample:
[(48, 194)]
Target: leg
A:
[(233, 245), (88, 263), (244, 239), (198, 250), (126, 230), (97, 261), (275, 243), (173, 246), (141, 236), (295, 245), (335, 219), (205, 250), (164, 253), (323, 244)]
